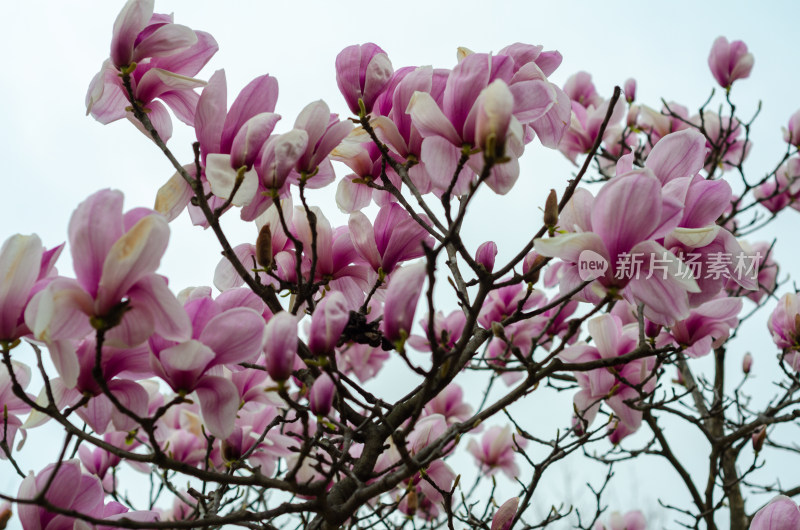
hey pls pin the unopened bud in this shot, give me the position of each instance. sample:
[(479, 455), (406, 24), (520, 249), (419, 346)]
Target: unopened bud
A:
[(412, 501), (531, 266), (651, 329), (264, 247), (630, 89), (759, 437), (498, 330), (551, 210), (747, 363)]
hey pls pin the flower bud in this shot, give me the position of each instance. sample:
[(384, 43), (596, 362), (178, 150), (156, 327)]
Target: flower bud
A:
[(651, 329), (747, 363), (402, 294), (759, 437), (320, 397), (281, 345), (486, 254), (264, 247), (495, 105), (362, 72), (630, 89), (551, 210), (327, 323), (532, 262), (504, 516)]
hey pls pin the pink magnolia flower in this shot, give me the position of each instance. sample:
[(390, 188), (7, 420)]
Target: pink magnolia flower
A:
[(782, 513), (791, 133), (729, 61), (402, 294), (729, 136), (708, 326), (115, 256), (580, 89), (362, 360), (782, 191), (584, 127), (327, 323), (625, 219), (633, 520), (784, 324), (426, 498), (25, 268), (394, 238), (11, 405), (495, 452), (762, 255), (320, 395), (486, 254), (220, 336), (161, 58), (362, 73), (453, 122), (251, 421), (611, 339), (71, 490), (504, 302), (99, 462), (630, 90), (450, 404), (504, 515), (281, 345), (447, 330)]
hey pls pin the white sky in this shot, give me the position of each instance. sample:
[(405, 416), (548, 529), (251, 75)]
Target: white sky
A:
[(54, 157)]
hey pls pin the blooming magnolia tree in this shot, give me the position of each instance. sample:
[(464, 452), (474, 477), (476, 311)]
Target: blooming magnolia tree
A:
[(249, 407)]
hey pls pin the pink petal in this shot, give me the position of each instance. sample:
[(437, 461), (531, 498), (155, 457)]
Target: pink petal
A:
[(134, 255), (129, 23), (93, 228), (677, 155), (20, 261), (235, 336), (219, 401)]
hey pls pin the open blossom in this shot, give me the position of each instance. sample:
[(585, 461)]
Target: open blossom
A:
[(626, 218), (221, 335), (784, 324), (116, 289), (496, 450), (25, 268), (610, 340), (707, 326), (161, 58), (70, 489), (729, 61)]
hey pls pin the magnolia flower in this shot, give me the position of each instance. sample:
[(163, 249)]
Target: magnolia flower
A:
[(362, 73), (160, 58), (782, 513), (496, 450), (115, 257), (729, 61)]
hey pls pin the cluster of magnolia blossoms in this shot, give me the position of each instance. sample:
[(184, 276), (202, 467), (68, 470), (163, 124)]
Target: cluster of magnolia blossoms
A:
[(118, 337)]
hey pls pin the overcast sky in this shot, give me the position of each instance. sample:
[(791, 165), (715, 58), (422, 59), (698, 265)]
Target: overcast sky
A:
[(54, 156)]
